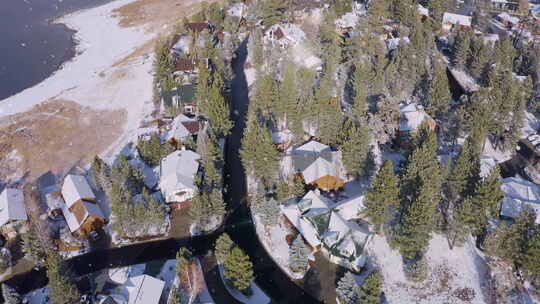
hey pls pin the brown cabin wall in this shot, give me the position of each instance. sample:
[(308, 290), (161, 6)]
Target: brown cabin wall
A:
[(91, 223)]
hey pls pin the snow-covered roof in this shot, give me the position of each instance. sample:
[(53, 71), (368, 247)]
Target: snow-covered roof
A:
[(287, 32), (423, 11), (350, 207), (12, 206), (179, 128), (457, 19), (237, 10), (521, 189), (314, 203), (293, 214), (76, 188), (144, 289), (486, 165), (283, 136), (75, 218), (312, 147), (348, 20), (411, 117), (178, 170), (323, 167), (519, 195), (506, 17)]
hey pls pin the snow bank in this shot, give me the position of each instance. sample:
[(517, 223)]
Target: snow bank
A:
[(257, 297), (454, 276)]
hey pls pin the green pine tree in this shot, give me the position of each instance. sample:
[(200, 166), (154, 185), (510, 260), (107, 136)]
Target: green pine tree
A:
[(355, 150), (438, 94), (371, 289), (461, 50), (487, 197), (360, 95), (531, 258), (61, 288), (239, 269), (223, 247), (273, 11), (382, 200)]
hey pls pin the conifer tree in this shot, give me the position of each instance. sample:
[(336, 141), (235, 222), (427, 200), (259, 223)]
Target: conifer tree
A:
[(256, 48), (267, 96), (347, 290), (239, 269), (342, 7), (382, 200), (203, 84), (463, 222), (355, 150), (461, 50), (377, 14), (298, 255), (61, 288), (421, 190), (360, 95), (487, 196), (223, 247), (216, 109), (481, 54), (437, 9), (531, 258), (371, 289), (288, 95), (259, 155), (505, 53), (404, 11), (465, 172), (273, 11), (438, 95), (32, 246)]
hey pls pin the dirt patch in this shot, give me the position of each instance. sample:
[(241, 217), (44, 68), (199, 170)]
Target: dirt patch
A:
[(57, 135), (154, 13)]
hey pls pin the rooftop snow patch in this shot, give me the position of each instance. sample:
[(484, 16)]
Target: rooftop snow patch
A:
[(12, 206), (519, 196), (76, 188)]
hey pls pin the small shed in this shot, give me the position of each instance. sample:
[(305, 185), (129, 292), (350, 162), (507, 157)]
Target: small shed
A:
[(12, 206)]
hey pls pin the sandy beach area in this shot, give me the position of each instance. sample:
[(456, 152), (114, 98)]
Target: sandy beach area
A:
[(101, 95)]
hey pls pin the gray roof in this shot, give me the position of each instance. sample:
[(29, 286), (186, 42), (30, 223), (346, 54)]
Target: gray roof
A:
[(76, 188), (12, 206)]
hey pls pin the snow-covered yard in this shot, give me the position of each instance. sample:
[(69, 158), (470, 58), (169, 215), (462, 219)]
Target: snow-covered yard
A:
[(257, 295), (454, 276)]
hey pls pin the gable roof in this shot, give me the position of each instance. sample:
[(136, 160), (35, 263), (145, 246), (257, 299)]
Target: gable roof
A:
[(77, 214), (144, 289), (312, 147), (178, 171), (179, 129), (520, 195), (411, 117), (76, 188), (457, 19), (12, 206)]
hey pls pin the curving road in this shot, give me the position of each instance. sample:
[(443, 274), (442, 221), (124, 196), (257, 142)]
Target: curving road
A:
[(238, 225)]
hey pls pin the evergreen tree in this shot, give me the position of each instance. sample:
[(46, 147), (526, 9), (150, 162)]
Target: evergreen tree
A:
[(288, 95), (531, 259), (382, 200), (437, 9), (505, 53), (404, 11), (438, 95), (465, 172), (101, 174), (10, 294), (267, 210), (377, 14), (259, 155), (355, 150), (216, 109), (239, 269), (486, 198), (153, 151), (463, 222), (461, 50), (32, 246), (481, 55), (273, 11), (360, 95), (371, 290), (223, 247), (61, 288), (342, 7), (347, 291), (298, 255), (203, 84), (421, 191)]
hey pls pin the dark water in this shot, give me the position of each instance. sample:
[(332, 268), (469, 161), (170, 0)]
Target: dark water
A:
[(31, 49)]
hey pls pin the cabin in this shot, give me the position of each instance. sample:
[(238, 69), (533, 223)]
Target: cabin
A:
[(422, 12), (317, 165), (284, 35), (182, 127), (451, 21), (80, 209), (411, 116), (330, 227), (12, 211), (181, 97), (177, 177), (519, 195)]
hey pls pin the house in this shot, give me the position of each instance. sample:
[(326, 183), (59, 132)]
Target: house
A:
[(181, 97), (329, 227), (182, 127), (188, 66), (144, 289), (452, 20), (284, 35), (12, 207), (507, 20), (177, 176), (317, 164), (80, 209), (510, 5), (519, 195), (422, 11), (411, 116)]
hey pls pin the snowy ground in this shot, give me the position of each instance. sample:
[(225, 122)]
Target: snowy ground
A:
[(274, 241), (257, 297), (454, 276)]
